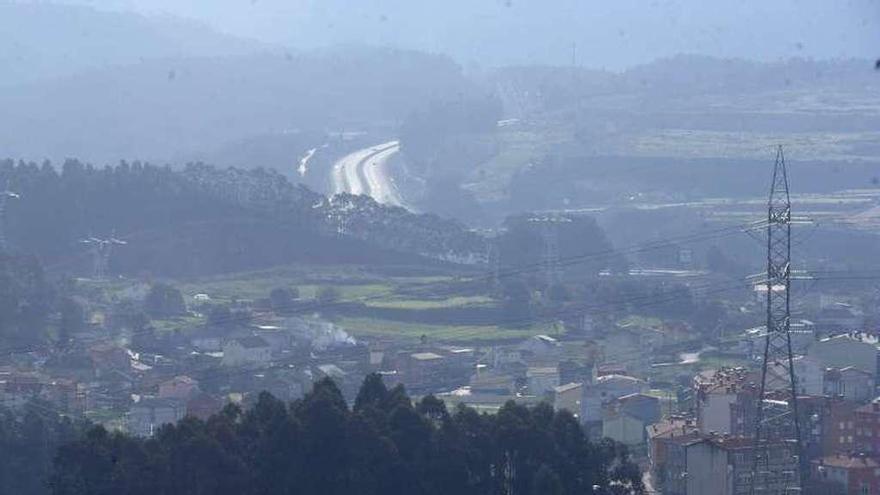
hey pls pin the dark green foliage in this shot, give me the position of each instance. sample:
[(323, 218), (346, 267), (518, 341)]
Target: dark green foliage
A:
[(174, 222), (546, 482), (129, 314), (26, 300), (317, 445), (221, 316), (428, 136), (282, 299), (579, 238), (72, 320), (164, 301), (203, 220), (28, 441), (517, 297), (328, 295)]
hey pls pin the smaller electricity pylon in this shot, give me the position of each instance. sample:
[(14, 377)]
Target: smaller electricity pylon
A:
[(101, 250), (550, 257)]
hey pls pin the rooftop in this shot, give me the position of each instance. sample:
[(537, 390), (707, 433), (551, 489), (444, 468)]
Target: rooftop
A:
[(543, 371), (252, 342), (331, 370), (722, 380), (846, 461), (426, 356), (617, 378), (671, 427), (546, 339), (567, 387)]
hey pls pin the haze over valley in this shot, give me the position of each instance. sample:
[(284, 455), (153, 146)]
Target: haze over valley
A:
[(463, 247)]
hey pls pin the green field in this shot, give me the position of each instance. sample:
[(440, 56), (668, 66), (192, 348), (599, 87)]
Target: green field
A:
[(450, 302), (367, 327), (359, 284), (351, 282)]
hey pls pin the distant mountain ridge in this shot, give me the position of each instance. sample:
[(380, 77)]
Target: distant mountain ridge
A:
[(40, 41), (161, 109)]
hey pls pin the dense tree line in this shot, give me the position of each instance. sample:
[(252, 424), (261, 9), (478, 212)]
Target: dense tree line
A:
[(203, 220), (29, 439), (27, 300), (577, 237), (384, 445)]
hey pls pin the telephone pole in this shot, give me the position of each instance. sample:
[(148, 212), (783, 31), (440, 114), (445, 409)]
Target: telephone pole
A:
[(777, 458)]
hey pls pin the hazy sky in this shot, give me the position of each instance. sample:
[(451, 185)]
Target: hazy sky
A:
[(607, 33)]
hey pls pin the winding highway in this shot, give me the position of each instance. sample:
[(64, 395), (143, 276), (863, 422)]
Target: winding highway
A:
[(366, 171)]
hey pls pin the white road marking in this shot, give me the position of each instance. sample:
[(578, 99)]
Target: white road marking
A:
[(372, 164)]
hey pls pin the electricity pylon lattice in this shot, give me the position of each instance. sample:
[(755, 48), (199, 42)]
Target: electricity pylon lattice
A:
[(777, 461), (101, 250), (550, 258)]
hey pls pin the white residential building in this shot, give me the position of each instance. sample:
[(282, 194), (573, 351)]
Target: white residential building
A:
[(147, 416), (247, 351)]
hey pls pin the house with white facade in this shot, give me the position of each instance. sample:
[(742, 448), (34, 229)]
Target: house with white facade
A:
[(247, 351), (147, 416)]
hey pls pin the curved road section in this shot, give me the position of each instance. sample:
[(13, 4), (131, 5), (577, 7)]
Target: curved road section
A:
[(367, 172)]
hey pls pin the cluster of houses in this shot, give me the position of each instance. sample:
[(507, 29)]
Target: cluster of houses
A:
[(138, 382), (693, 436), (710, 445)]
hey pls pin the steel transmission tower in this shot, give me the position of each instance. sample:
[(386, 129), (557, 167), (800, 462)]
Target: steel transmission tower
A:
[(550, 258), (101, 250), (777, 461), (5, 196)]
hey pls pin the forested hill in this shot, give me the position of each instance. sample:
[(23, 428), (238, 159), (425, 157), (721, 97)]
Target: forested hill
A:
[(164, 109), (44, 40), (204, 220), (384, 446)]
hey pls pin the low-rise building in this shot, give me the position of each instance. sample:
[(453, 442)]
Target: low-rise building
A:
[(624, 419), (850, 383), (491, 382), (605, 389), (722, 465), (667, 440), (422, 371), (540, 347), (866, 436), (203, 406), (844, 350), (541, 381), (179, 387), (247, 351), (846, 474), (568, 398), (107, 357), (147, 416), (715, 394)]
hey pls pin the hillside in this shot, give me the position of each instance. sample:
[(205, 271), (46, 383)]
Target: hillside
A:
[(204, 220), (41, 41), (162, 109)]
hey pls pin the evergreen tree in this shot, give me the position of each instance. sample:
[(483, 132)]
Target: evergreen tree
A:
[(317, 446)]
